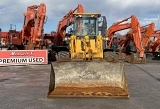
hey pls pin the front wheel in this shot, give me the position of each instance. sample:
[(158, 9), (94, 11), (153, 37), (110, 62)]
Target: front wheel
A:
[(63, 55), (51, 56), (12, 47)]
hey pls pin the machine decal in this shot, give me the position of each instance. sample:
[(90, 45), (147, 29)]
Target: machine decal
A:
[(23, 57)]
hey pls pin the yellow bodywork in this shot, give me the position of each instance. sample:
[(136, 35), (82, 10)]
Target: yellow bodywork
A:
[(86, 48), (86, 73), (96, 78)]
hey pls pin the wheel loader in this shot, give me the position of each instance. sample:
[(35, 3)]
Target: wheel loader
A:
[(81, 69)]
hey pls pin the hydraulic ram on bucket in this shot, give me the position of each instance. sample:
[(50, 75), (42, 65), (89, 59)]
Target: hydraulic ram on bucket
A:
[(87, 79)]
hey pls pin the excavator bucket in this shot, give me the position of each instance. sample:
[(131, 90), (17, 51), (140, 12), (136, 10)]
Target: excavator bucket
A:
[(87, 79), (135, 59), (121, 55)]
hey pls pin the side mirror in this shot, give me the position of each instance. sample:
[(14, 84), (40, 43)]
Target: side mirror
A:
[(102, 25), (71, 31)]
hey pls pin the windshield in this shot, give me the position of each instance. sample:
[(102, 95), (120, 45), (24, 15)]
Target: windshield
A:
[(85, 26)]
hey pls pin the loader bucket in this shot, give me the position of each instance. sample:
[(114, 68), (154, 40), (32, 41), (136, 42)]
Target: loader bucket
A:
[(87, 79)]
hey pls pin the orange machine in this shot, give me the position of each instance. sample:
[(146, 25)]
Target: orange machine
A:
[(32, 29), (66, 21), (133, 35), (147, 31), (34, 20), (154, 46)]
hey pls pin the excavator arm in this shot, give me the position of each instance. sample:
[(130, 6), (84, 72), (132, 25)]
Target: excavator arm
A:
[(155, 44), (147, 31), (66, 21), (137, 37), (34, 20)]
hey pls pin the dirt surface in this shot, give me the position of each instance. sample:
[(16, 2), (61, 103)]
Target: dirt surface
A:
[(25, 87)]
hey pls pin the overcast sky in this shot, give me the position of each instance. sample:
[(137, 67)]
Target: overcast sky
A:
[(11, 11)]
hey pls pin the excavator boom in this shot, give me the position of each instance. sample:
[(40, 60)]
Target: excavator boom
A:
[(32, 28), (34, 20), (118, 26), (147, 31), (66, 21)]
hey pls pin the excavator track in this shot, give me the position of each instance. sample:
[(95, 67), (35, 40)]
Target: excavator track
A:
[(135, 59)]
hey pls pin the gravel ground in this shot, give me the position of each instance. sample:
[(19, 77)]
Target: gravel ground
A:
[(25, 87)]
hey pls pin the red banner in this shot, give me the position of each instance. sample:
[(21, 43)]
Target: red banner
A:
[(23, 57)]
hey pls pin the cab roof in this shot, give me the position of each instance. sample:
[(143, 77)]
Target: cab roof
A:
[(87, 14)]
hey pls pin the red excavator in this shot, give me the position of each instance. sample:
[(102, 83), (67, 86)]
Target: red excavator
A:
[(154, 46), (156, 43), (147, 32), (66, 21), (29, 37), (133, 35)]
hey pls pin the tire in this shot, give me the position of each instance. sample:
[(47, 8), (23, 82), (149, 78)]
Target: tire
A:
[(156, 56), (12, 47), (62, 55), (51, 56), (128, 50)]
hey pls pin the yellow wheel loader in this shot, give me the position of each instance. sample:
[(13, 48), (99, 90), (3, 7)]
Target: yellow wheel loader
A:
[(81, 69)]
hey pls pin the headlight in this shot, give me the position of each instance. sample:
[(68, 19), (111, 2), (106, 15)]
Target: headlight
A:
[(65, 39), (107, 38)]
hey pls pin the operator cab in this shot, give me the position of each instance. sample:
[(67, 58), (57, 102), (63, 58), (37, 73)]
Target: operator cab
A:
[(85, 24)]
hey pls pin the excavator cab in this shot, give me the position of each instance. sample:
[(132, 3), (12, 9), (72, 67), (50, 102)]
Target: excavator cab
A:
[(83, 70)]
